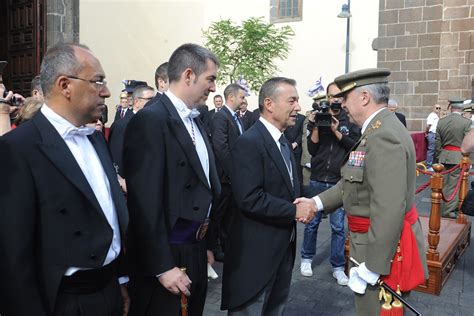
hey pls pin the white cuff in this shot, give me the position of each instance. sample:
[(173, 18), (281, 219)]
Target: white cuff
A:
[(123, 280), (367, 275), (319, 204)]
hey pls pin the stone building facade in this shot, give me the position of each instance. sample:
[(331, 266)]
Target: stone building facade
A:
[(27, 29), (429, 47), (62, 21)]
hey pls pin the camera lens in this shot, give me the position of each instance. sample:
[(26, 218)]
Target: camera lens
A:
[(336, 106)]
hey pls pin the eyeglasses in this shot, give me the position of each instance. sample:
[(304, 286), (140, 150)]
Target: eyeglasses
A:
[(437, 108), (99, 83), (148, 99)]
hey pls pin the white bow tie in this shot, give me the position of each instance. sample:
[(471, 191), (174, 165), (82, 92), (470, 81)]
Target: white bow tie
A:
[(192, 114), (81, 131)]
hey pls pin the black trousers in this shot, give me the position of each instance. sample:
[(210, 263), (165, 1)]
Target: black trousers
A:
[(149, 298), (222, 216), (105, 302), (272, 300)]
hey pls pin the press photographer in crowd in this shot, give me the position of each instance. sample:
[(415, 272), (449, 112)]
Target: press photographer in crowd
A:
[(9, 103), (331, 137)]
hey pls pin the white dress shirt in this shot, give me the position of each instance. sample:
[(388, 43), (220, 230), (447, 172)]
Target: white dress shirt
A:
[(187, 116), (432, 120), (276, 134), (89, 162)]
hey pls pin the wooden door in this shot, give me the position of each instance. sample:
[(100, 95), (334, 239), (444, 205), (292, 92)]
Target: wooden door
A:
[(26, 42)]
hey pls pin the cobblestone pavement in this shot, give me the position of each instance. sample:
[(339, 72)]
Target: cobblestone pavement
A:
[(321, 295)]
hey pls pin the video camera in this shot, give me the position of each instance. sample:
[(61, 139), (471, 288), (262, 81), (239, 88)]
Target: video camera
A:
[(323, 118)]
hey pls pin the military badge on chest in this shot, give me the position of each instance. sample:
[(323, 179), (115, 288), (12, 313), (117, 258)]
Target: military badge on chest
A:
[(356, 159)]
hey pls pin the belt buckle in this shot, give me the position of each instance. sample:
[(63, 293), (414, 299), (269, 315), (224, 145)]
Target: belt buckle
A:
[(202, 230)]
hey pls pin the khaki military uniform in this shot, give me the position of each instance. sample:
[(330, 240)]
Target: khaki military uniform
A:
[(450, 131), (378, 182)]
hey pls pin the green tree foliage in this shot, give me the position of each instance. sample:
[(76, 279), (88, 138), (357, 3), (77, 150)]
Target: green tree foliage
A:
[(249, 50)]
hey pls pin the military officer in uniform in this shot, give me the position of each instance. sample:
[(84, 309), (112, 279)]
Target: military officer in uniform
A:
[(377, 190), (449, 135)]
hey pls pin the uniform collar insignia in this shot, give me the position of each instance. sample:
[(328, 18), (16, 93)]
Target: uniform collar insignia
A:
[(376, 125)]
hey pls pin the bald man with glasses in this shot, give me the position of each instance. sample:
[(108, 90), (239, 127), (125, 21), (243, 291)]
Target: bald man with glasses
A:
[(63, 216)]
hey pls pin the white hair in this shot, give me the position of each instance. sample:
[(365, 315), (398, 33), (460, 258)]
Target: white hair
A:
[(392, 103), (380, 92)]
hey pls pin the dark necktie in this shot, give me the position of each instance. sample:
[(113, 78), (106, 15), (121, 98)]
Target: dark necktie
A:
[(236, 119), (285, 152), (122, 113)]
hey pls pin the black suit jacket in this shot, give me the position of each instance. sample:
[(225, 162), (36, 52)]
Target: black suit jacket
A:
[(248, 119), (402, 118), (207, 118), (50, 219), (155, 98), (203, 110), (203, 116), (295, 134), (104, 117), (165, 182), (118, 111), (117, 133), (262, 230), (224, 131)]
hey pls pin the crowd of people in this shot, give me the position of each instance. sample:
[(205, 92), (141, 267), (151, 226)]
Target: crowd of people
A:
[(132, 222), (444, 135)]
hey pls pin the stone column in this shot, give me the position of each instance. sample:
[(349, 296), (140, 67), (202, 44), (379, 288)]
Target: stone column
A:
[(62, 21)]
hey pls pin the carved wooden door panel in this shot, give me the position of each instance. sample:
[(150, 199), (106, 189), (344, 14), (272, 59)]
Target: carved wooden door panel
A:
[(26, 43)]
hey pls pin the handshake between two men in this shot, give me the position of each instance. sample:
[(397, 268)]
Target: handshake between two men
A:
[(360, 276), (305, 210)]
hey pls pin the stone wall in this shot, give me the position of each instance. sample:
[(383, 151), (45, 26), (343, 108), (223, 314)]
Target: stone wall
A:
[(62, 18), (429, 46)]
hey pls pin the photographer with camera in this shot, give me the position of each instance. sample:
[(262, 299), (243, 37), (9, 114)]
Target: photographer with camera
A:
[(9, 106), (9, 103), (331, 137)]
